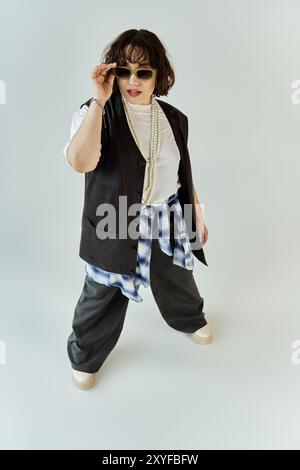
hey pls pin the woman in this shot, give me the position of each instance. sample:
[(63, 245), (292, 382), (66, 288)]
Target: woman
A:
[(131, 145)]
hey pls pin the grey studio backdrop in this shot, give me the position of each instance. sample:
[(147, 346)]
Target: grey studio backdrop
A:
[(236, 63)]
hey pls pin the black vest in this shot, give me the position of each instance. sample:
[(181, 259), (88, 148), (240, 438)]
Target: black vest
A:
[(121, 171)]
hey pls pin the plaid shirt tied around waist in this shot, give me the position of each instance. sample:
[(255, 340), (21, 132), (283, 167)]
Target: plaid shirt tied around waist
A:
[(182, 254)]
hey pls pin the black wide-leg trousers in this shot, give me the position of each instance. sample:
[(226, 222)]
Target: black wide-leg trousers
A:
[(100, 311)]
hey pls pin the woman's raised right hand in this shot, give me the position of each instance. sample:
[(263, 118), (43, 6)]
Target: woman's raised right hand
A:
[(102, 82)]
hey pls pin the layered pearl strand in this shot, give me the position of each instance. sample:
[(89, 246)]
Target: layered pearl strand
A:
[(154, 146)]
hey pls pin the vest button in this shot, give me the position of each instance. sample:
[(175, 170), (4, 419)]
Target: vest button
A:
[(142, 163), (139, 194), (132, 273), (134, 247)]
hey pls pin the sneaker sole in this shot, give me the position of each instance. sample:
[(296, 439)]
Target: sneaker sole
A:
[(200, 340), (84, 385)]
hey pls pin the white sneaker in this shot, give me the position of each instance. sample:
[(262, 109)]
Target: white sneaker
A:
[(83, 380), (203, 335)]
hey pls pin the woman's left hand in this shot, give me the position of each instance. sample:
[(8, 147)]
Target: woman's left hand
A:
[(203, 232), (201, 227), (205, 235)]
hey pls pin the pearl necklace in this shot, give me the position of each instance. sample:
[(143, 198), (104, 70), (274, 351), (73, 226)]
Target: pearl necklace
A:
[(154, 146)]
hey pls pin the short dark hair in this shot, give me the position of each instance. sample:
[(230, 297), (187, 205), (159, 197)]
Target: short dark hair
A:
[(144, 47)]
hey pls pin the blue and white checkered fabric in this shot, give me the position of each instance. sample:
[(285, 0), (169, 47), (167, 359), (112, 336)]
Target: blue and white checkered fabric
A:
[(182, 255)]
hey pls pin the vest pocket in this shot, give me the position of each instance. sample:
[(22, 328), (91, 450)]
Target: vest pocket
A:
[(101, 229)]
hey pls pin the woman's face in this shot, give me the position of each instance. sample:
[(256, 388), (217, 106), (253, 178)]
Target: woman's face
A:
[(146, 87)]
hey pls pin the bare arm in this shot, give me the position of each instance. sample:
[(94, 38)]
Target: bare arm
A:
[(196, 202), (198, 209), (202, 228), (84, 149)]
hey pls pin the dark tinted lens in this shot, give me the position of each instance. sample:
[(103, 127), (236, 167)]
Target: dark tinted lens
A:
[(144, 73), (122, 73)]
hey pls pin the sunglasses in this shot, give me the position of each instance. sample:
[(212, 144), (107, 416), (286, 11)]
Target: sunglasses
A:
[(126, 71)]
